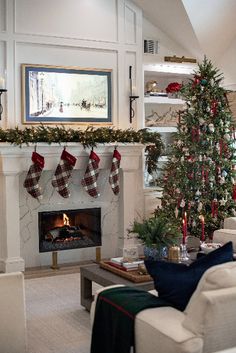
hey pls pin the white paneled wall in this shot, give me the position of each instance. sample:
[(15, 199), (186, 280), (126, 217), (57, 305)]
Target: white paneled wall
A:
[(103, 34), (2, 15), (83, 19)]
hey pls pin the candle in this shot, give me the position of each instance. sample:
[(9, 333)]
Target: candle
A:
[(203, 229), (134, 91), (186, 223), (130, 80), (184, 231), (2, 83)]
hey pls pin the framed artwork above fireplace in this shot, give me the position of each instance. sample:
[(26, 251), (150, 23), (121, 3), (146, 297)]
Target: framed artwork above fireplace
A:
[(55, 94)]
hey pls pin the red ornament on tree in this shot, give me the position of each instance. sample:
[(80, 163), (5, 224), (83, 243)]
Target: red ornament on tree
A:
[(197, 80), (190, 175), (214, 106), (195, 134), (214, 208), (234, 192)]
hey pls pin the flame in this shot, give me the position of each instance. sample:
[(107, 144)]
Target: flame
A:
[(66, 220)]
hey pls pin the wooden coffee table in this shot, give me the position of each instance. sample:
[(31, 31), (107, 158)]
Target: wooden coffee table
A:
[(93, 273)]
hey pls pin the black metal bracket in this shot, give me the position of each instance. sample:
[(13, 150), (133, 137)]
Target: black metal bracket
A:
[(131, 109), (1, 107)]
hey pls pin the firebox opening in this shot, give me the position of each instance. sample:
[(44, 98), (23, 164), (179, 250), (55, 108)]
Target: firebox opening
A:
[(69, 229)]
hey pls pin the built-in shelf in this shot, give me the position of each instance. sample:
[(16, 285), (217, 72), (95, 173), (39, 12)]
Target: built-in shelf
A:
[(163, 100), (161, 114)]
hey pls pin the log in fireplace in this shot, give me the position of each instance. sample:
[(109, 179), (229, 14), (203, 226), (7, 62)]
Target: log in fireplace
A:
[(69, 229)]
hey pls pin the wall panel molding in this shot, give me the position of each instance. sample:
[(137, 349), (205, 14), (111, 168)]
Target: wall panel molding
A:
[(99, 22), (3, 15), (130, 25)]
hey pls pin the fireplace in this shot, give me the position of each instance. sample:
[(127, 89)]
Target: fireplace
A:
[(69, 229)]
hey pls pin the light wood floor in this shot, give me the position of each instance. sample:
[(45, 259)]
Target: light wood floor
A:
[(56, 322)]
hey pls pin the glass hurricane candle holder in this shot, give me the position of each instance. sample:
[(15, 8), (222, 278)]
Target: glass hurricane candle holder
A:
[(184, 256)]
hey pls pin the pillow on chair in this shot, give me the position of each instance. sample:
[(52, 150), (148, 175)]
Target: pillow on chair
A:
[(176, 282)]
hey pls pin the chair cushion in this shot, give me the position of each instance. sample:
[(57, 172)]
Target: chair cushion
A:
[(176, 282)]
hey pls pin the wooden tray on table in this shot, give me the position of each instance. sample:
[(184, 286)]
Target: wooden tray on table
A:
[(133, 275)]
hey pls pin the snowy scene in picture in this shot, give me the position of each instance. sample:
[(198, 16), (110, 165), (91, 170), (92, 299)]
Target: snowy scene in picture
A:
[(70, 95)]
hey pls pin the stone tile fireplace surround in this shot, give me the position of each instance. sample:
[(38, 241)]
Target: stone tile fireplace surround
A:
[(19, 242)]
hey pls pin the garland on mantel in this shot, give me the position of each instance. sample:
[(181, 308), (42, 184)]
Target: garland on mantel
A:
[(88, 138)]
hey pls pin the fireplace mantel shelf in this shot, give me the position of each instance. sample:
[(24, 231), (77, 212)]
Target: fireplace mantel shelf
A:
[(17, 159)]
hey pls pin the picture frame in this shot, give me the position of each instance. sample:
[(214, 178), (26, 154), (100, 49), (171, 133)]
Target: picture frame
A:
[(66, 95)]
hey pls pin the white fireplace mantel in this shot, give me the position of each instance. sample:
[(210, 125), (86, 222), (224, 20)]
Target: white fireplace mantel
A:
[(15, 160)]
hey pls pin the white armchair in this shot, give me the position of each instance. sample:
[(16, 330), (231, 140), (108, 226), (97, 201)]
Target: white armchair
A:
[(12, 313), (228, 233), (207, 324)]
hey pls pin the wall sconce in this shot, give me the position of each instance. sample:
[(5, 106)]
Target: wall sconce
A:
[(132, 97), (2, 90)]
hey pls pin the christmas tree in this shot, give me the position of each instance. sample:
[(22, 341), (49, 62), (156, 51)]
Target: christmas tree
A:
[(199, 180)]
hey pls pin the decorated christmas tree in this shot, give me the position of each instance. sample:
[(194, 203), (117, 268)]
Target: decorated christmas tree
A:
[(199, 180)]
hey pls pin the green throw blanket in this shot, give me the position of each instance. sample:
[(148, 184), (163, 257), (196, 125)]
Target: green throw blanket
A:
[(113, 327)]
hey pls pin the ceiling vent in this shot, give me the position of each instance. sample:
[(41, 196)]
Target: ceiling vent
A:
[(150, 46)]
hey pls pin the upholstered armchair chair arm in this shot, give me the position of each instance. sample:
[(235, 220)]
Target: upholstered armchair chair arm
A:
[(160, 330)]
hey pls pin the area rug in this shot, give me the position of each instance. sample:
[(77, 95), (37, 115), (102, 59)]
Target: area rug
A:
[(56, 322)]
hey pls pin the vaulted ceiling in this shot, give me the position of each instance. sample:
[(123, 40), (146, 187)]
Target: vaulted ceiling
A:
[(200, 26)]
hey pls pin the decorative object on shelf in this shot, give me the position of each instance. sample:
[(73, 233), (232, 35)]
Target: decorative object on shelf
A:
[(114, 172), (2, 90), (49, 94), (173, 89), (88, 138), (168, 118), (63, 173), (152, 87), (33, 176), (89, 180), (132, 97), (179, 59)]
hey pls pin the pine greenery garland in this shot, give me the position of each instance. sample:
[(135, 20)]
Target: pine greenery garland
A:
[(88, 138), (200, 177)]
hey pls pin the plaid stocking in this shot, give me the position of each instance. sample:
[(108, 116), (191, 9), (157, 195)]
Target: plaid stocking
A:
[(63, 173), (89, 180), (114, 172), (33, 176)]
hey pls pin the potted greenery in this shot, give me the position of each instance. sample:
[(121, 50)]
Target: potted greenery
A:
[(156, 234)]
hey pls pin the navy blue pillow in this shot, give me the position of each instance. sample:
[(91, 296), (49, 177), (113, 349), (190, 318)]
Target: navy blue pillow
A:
[(176, 282)]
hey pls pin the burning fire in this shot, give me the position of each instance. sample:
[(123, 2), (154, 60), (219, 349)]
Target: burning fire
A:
[(66, 220)]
